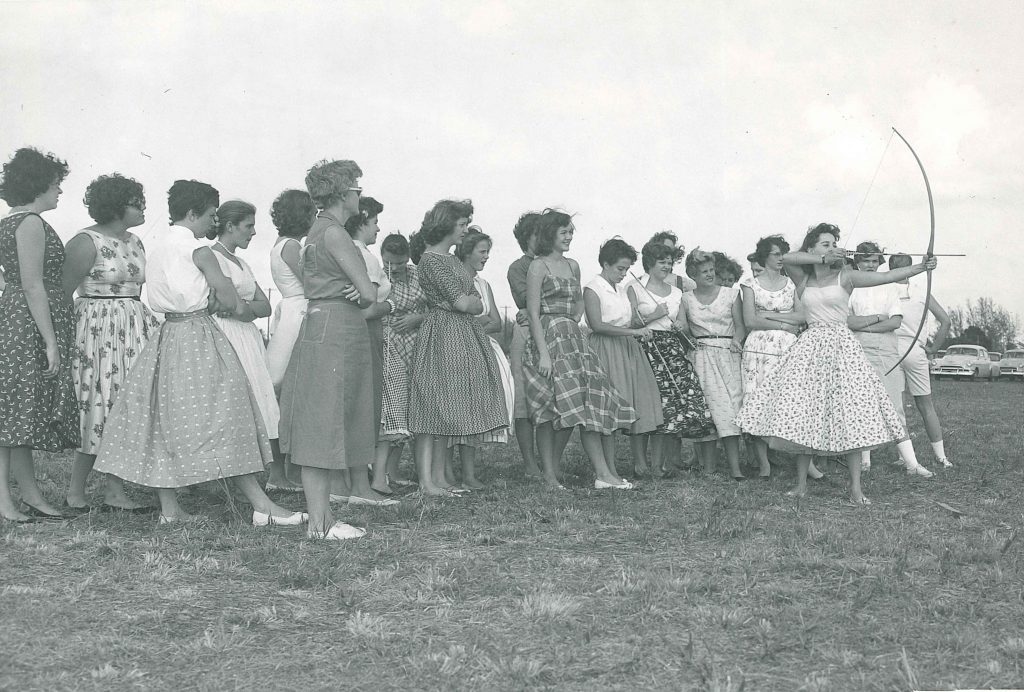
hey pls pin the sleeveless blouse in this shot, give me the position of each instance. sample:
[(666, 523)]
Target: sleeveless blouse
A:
[(284, 278), (715, 318), (119, 269), (322, 275)]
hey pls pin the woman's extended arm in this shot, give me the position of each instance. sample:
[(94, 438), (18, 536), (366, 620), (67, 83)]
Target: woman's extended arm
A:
[(860, 279)]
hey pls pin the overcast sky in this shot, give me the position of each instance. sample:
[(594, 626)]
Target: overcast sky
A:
[(722, 121)]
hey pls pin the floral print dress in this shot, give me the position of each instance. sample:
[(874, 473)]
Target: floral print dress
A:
[(112, 326)]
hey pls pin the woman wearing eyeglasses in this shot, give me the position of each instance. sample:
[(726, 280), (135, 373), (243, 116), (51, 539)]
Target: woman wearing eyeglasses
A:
[(106, 263)]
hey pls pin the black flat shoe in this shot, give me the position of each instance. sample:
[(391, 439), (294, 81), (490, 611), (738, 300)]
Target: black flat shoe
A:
[(72, 511), (114, 509), (40, 514), (739, 479)]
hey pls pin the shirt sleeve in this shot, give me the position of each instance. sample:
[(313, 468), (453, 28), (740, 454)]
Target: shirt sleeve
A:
[(517, 282)]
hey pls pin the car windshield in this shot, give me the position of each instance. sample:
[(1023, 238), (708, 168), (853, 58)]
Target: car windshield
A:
[(1014, 354), (961, 352), (994, 356)]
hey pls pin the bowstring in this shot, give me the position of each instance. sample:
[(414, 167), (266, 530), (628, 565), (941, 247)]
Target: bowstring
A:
[(867, 193)]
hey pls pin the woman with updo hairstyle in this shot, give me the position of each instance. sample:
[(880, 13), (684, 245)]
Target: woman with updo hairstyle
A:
[(714, 314), (615, 329), (876, 314), (824, 398), (774, 315), (292, 213), (685, 410), (106, 264), (38, 408), (234, 230), (327, 393), (566, 387), (401, 326), (456, 395), (474, 252)]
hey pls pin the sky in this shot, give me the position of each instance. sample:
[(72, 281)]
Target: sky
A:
[(722, 121)]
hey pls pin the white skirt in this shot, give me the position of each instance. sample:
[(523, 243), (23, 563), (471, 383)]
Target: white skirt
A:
[(284, 330), (247, 341)]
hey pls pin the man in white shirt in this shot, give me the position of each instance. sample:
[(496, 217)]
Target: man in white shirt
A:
[(915, 366)]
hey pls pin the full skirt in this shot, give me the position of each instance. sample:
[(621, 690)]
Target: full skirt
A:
[(626, 364), (578, 392), (719, 372), (110, 335), (284, 330), (686, 411), (186, 413), (824, 398), (247, 341), (762, 353)]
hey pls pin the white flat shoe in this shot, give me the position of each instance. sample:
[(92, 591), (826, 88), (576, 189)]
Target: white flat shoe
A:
[(339, 532), (605, 485), (338, 498), (946, 463), (919, 471), (386, 502), (293, 519)]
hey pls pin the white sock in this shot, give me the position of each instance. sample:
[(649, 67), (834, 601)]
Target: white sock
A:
[(906, 450), (865, 458), (940, 451)]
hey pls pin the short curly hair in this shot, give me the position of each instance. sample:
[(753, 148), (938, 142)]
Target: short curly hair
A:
[(550, 222), (662, 236), (29, 174), (815, 232), (416, 247), (369, 208), (292, 213), (473, 237), (441, 219), (653, 252), (614, 250), (329, 181), (525, 228), (764, 248), (109, 196), (697, 259), (190, 196)]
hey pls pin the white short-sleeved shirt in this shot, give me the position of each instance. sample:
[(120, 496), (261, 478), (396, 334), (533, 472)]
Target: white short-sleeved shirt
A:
[(647, 302), (173, 281), (615, 307), (912, 306), (876, 300), (375, 270)]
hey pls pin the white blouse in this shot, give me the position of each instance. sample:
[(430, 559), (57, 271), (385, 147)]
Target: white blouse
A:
[(173, 281), (284, 278), (876, 300), (647, 302), (615, 307), (375, 270)]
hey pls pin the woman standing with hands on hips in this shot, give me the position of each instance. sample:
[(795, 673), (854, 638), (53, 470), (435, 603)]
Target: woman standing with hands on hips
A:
[(824, 398)]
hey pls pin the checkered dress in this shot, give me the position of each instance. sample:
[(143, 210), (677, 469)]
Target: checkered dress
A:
[(578, 392), (398, 353)]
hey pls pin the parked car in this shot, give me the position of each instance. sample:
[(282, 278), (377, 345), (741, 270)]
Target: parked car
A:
[(967, 362), (1012, 364)]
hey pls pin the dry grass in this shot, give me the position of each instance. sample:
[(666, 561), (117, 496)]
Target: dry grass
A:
[(696, 583)]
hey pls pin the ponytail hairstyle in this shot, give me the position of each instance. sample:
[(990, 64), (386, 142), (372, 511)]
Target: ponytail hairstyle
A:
[(233, 211)]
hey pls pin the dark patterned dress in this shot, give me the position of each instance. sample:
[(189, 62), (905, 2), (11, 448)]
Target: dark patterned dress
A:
[(578, 392), (112, 328), (35, 411), (686, 410), (456, 387), (399, 349)]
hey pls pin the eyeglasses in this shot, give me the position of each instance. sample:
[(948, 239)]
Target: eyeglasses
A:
[(357, 190)]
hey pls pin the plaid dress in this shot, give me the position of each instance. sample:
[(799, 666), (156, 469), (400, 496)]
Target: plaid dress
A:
[(398, 352), (578, 392)]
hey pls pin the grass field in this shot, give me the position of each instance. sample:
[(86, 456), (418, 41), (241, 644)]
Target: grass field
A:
[(692, 583)]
